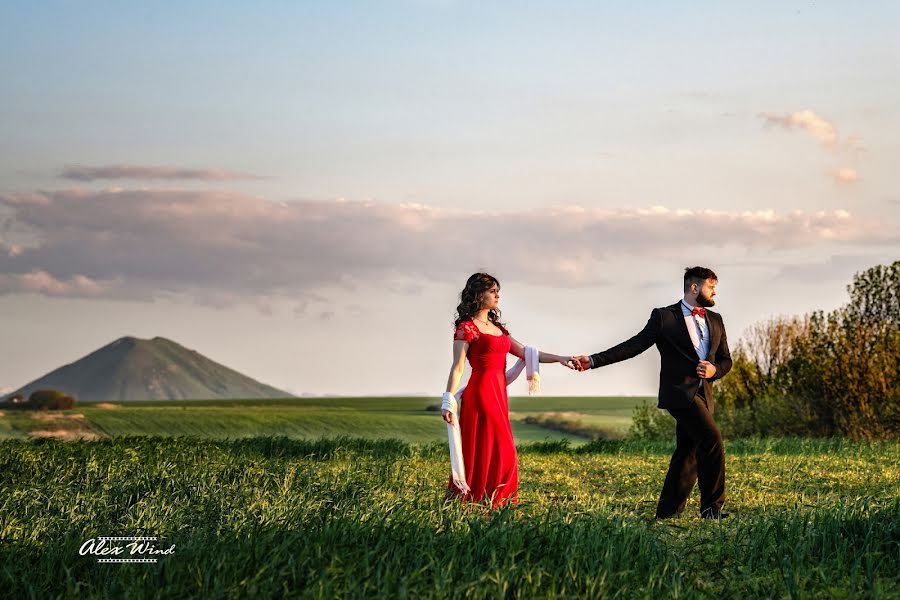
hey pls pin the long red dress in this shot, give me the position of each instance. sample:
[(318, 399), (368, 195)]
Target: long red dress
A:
[(488, 448)]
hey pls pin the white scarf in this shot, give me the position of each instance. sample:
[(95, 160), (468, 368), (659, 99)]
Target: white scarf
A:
[(450, 402)]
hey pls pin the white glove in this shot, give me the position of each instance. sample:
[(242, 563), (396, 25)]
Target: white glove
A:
[(449, 403), (457, 466)]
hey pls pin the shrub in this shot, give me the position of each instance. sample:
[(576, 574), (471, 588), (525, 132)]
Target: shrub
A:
[(49, 400), (651, 423)]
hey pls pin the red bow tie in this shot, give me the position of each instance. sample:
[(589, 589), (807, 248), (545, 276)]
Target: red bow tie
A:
[(701, 312)]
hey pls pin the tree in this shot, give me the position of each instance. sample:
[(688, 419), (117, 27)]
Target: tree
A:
[(825, 373), (757, 364), (47, 399), (846, 366)]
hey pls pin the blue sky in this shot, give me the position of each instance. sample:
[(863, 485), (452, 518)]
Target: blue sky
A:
[(496, 114)]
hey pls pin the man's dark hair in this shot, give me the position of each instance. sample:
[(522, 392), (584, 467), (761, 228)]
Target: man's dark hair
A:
[(697, 275)]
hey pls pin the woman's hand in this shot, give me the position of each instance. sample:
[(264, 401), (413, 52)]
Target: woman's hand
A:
[(448, 416), (567, 361)]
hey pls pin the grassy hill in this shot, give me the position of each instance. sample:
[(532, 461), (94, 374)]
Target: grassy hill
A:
[(137, 369)]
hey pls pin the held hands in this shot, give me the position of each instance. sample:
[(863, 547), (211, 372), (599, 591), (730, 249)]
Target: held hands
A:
[(447, 416), (705, 369), (582, 363)]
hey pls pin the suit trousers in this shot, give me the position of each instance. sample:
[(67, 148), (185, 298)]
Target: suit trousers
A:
[(699, 457)]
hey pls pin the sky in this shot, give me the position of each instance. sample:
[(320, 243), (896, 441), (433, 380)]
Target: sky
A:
[(299, 190)]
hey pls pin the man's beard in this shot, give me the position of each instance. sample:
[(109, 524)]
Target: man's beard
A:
[(705, 301)]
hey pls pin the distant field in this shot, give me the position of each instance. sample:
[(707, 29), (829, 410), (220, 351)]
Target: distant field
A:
[(401, 418)]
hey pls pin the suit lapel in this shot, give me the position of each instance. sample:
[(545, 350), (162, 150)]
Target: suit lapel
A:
[(712, 325), (681, 326)]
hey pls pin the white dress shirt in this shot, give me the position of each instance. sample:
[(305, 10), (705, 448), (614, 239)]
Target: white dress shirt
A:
[(698, 330)]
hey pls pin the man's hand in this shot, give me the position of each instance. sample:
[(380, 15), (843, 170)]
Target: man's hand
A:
[(705, 369), (582, 363)]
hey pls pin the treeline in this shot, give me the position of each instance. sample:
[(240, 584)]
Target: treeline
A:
[(821, 374)]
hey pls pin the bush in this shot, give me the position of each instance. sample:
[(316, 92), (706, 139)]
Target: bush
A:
[(651, 423), (49, 400)]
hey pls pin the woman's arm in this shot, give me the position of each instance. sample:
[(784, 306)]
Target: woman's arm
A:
[(460, 347), (518, 350)]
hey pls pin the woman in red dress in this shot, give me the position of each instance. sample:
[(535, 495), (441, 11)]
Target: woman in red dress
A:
[(488, 448)]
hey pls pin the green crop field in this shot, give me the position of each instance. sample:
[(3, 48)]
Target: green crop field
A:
[(305, 418), (277, 517)]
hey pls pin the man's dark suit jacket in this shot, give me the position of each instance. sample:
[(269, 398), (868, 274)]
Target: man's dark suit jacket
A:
[(678, 380)]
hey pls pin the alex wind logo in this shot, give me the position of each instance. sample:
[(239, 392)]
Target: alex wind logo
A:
[(124, 549)]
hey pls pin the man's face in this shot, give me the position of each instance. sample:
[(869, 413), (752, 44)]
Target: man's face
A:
[(707, 293)]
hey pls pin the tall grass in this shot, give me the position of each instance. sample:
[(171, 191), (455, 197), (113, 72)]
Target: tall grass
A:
[(351, 517)]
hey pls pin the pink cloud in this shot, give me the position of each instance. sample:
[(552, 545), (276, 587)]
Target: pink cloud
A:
[(221, 248), (844, 175), (41, 282), (821, 129), (826, 133)]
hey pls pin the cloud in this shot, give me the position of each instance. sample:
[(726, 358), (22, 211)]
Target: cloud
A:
[(81, 173), (825, 133), (41, 282), (821, 129), (845, 175), (221, 248), (840, 267), (10, 249)]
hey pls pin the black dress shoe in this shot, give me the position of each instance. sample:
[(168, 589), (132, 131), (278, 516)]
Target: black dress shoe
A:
[(714, 514), (660, 517)]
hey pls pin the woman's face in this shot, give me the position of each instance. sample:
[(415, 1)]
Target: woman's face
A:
[(491, 298)]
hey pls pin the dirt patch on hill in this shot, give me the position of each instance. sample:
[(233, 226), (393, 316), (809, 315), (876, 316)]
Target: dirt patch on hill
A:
[(65, 434), (572, 423), (107, 405), (65, 427), (55, 416)]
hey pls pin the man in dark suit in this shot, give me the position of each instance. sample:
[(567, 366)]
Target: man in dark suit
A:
[(694, 351)]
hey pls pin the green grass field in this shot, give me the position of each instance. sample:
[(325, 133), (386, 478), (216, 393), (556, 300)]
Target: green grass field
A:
[(275, 517), (305, 418)]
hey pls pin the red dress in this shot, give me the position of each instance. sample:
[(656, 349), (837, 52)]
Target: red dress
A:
[(488, 448)]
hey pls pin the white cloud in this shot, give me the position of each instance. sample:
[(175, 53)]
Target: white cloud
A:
[(221, 248), (818, 127)]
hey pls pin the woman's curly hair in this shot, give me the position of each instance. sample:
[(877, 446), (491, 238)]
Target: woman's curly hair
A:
[(470, 299)]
